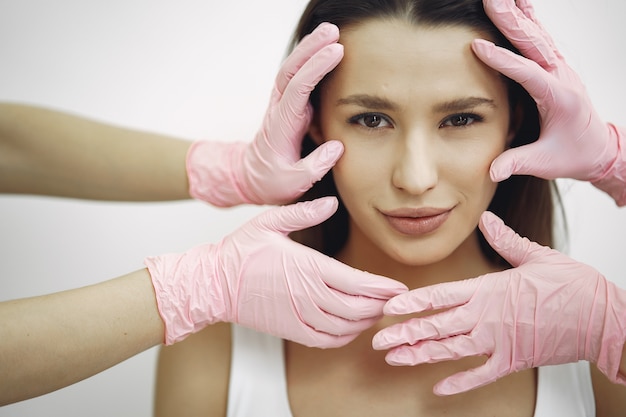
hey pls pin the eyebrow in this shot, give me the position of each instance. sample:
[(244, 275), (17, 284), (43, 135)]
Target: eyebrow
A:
[(368, 101), (464, 104), (381, 103)]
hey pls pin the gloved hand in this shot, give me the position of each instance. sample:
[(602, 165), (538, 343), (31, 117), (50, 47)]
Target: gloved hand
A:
[(574, 142), (269, 170), (261, 279), (548, 309)]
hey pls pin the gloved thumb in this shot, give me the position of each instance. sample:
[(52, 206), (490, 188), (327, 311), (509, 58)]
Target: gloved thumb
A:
[(515, 249), (297, 216), (315, 165), (525, 160)]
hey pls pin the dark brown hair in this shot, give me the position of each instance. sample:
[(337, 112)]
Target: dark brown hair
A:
[(525, 203)]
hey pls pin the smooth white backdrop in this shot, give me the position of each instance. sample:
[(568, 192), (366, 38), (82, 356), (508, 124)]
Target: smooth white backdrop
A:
[(204, 70)]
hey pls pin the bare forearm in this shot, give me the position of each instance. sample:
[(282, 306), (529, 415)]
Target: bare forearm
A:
[(53, 153), (52, 341)]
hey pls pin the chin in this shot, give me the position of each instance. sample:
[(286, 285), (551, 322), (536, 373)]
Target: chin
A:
[(419, 257)]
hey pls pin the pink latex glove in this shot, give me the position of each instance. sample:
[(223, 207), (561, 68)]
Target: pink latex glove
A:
[(260, 278), (269, 170), (547, 310), (574, 142)]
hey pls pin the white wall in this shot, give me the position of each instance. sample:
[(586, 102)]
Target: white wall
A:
[(204, 69)]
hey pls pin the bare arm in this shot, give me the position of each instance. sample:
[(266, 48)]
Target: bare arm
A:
[(52, 341), (192, 375), (610, 397), (54, 153)]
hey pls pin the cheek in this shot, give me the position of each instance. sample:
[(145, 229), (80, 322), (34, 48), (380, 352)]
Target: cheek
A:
[(470, 164), (354, 173)]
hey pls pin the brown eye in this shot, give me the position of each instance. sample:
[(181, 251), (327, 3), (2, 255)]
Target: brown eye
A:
[(371, 121), (461, 120)]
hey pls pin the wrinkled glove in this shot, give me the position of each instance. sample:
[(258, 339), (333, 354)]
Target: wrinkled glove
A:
[(574, 141), (260, 278), (547, 310), (269, 170)]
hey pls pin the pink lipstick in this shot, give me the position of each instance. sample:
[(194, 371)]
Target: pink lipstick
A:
[(416, 222)]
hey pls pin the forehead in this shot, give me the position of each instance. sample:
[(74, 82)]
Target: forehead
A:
[(395, 57)]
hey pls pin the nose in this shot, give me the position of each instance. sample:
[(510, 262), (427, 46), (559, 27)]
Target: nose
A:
[(415, 171)]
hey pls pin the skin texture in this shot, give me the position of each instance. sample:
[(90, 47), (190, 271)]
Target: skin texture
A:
[(46, 347), (419, 145), (48, 152), (408, 155), (436, 131)]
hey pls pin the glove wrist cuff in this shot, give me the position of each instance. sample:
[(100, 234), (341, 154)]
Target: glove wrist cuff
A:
[(213, 171), (187, 291), (613, 181), (613, 335)]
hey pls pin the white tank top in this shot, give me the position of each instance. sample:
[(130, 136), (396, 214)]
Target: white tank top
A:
[(258, 384)]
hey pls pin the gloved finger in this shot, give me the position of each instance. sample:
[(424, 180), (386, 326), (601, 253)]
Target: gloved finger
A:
[(528, 159), (313, 167), (307, 270), (352, 281), (293, 107), (526, 72), (322, 340), (432, 297), (433, 351), (350, 307), (511, 246), (470, 379), (287, 219), (321, 321), (434, 327), (531, 40), (529, 11), (347, 306), (337, 288), (323, 35)]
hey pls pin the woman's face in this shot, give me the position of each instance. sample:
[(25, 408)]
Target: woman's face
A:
[(421, 119)]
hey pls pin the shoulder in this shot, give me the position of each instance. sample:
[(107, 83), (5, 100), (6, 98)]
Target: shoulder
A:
[(193, 375)]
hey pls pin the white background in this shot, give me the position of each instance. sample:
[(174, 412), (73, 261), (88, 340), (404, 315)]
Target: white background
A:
[(204, 70)]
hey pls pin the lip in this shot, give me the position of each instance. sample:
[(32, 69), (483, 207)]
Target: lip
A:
[(416, 221)]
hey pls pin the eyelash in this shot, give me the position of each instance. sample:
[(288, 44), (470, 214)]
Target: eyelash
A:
[(447, 122), (359, 120), (474, 117)]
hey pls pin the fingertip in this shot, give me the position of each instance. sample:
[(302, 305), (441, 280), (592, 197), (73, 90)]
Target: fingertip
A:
[(335, 49), (499, 171), (376, 286), (444, 388), (316, 165), (327, 204), (402, 356), (300, 215), (491, 226), (488, 221), (333, 150), (378, 341), (327, 58), (395, 306), (483, 47), (328, 29), (386, 287)]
